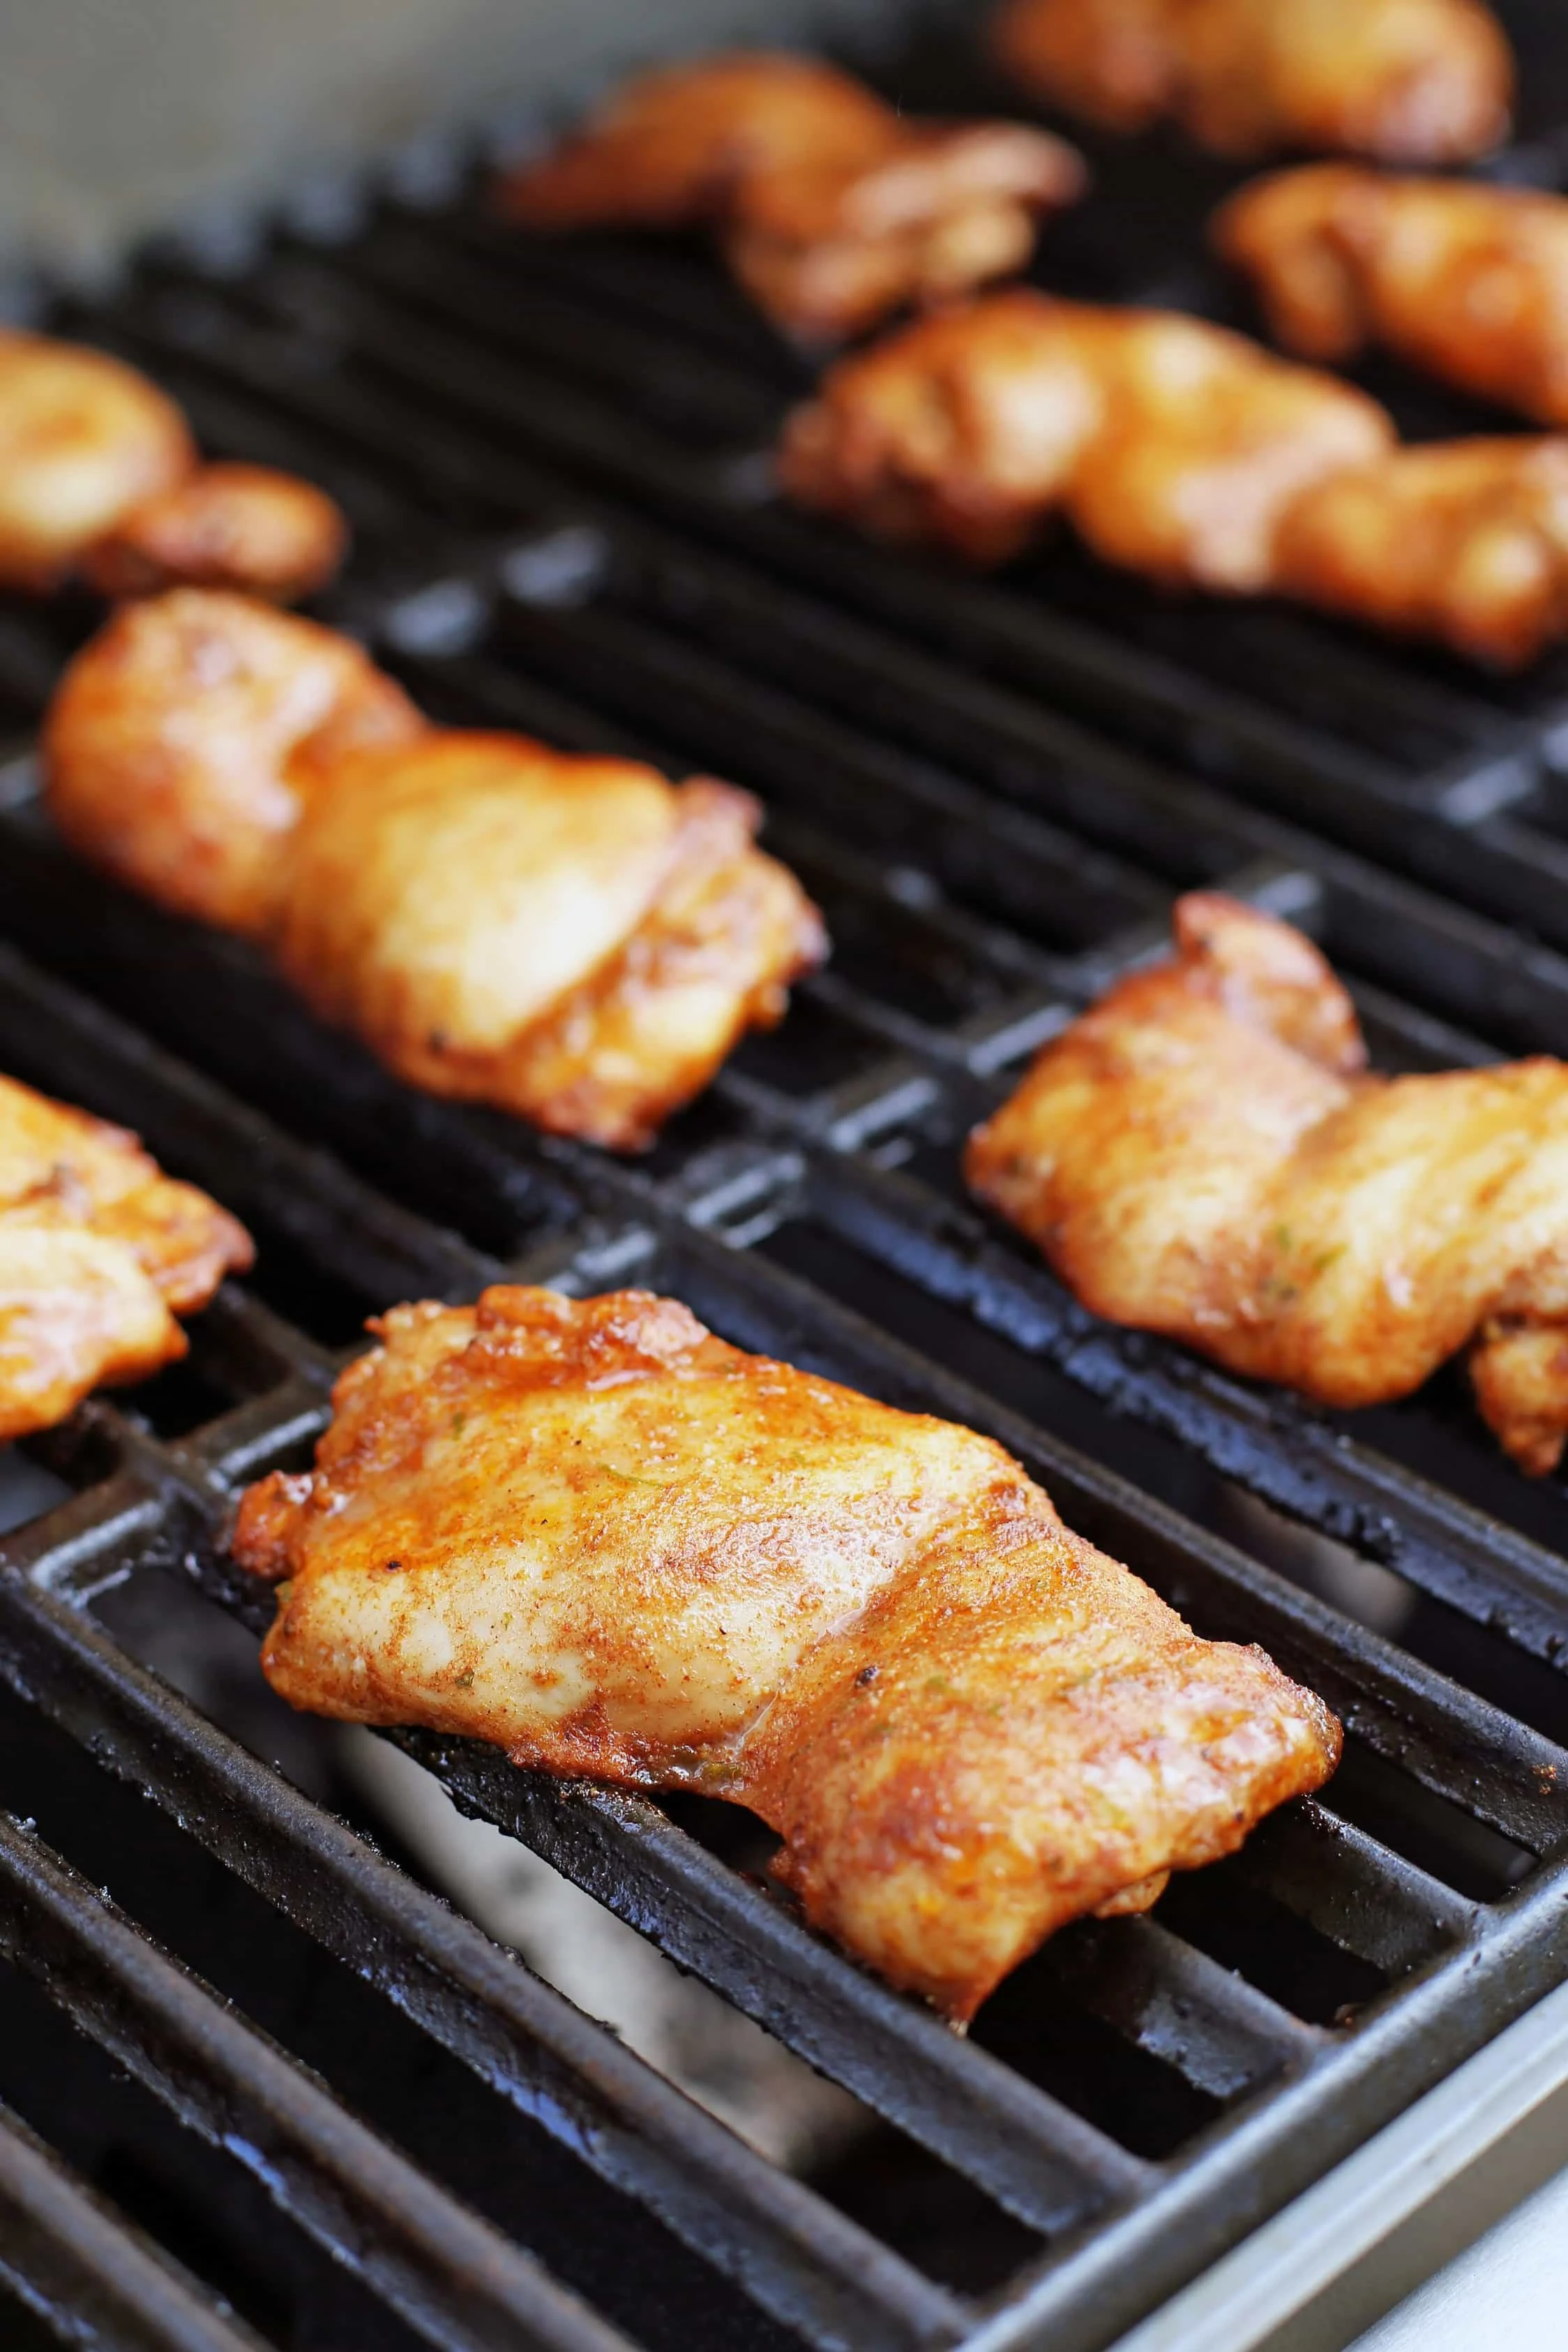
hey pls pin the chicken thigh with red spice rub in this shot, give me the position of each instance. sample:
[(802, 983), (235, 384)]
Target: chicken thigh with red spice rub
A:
[(1204, 1154), (98, 1254), (615, 1546)]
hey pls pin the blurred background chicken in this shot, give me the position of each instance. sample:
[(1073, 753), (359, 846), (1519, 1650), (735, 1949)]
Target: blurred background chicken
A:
[(573, 938), (1466, 280), (99, 1252), (1203, 1155), (1464, 542), (99, 474), (600, 1536), (1414, 81), (832, 207), (1172, 446)]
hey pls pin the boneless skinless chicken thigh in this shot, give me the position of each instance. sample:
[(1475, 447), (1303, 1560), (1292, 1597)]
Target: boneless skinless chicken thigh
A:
[(1172, 446), (1412, 81), (99, 474), (1204, 1154), (577, 940), (1463, 278), (98, 1254), (615, 1546), (186, 737), (834, 207), (574, 938), (1465, 542)]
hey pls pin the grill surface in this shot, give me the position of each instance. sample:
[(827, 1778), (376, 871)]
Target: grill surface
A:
[(994, 788)]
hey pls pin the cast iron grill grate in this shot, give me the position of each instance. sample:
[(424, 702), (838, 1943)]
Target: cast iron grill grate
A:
[(994, 788)]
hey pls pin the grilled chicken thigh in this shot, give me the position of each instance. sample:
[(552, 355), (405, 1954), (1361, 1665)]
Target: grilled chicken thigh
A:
[(1467, 280), (83, 440), (615, 1546), (225, 526), (573, 938), (1466, 542), (1172, 445), (99, 1252), (1412, 81), (97, 471), (832, 207), (1203, 1155), (184, 739)]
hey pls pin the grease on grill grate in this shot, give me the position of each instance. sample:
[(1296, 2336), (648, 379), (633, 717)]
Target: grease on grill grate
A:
[(994, 788)]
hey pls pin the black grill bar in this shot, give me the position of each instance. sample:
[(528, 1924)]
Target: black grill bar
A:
[(452, 2276), (88, 2274), (1180, 2005), (1355, 1891), (1039, 2162)]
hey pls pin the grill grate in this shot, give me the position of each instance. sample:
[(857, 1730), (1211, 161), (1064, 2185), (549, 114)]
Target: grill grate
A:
[(994, 788)]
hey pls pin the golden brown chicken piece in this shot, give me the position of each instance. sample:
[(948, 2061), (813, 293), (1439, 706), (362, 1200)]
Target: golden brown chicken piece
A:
[(1466, 542), (225, 526), (97, 471), (833, 208), (600, 1538), (1203, 1155), (1466, 280), (184, 739), (573, 938), (1411, 81), (83, 440), (99, 1252), (1172, 446)]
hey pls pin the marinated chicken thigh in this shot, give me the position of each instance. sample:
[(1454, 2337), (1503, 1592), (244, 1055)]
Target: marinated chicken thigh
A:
[(832, 207), (573, 938), (602, 1538), (187, 735), (1467, 280), (1466, 542), (83, 440), (1172, 445), (99, 1252), (98, 472), (1412, 81), (1203, 1155), (225, 526)]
